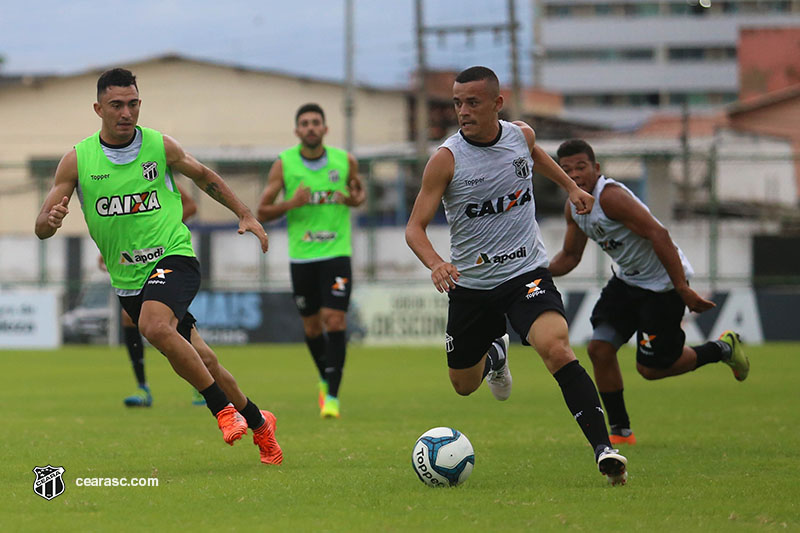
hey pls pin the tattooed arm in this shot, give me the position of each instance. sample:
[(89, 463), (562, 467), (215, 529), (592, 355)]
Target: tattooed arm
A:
[(214, 186)]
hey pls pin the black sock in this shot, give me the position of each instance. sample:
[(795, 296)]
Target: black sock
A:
[(135, 344), (318, 346), (710, 352), (614, 403), (337, 347), (253, 415), (215, 398), (494, 358), (583, 402)]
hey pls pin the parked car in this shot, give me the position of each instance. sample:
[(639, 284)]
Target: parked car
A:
[(88, 321)]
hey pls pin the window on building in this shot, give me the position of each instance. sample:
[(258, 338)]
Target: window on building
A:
[(699, 53), (580, 100), (601, 54), (582, 10), (698, 98), (679, 8), (676, 99), (638, 54), (603, 10), (557, 11), (730, 7), (692, 8), (648, 9)]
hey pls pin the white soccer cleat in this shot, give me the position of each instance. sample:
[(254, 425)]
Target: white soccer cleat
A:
[(613, 465), (499, 381)]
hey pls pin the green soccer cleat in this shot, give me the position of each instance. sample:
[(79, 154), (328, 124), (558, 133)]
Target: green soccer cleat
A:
[(330, 409), (738, 361), (197, 398), (142, 398), (323, 392)]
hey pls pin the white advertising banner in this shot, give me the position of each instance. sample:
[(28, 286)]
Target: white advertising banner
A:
[(402, 314), (29, 319)]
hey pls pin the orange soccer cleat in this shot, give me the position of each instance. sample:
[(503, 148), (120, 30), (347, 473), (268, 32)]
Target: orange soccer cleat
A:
[(622, 436), (232, 424), (264, 438)]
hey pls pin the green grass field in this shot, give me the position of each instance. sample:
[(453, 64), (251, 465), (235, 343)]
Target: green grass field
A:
[(713, 454)]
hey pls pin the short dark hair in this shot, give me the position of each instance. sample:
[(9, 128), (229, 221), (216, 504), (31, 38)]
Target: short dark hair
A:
[(478, 74), (309, 108), (116, 77), (574, 147)]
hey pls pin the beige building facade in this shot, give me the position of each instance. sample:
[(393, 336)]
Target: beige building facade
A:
[(216, 111)]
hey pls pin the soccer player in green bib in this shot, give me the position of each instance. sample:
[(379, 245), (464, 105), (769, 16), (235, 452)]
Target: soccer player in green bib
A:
[(133, 210), (320, 185)]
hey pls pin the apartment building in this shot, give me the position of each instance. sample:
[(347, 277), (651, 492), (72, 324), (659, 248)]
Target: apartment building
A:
[(617, 62)]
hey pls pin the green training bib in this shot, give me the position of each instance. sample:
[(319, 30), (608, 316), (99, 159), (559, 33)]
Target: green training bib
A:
[(320, 229), (134, 210)]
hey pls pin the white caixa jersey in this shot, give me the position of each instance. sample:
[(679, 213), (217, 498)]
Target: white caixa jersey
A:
[(636, 260), (491, 211)]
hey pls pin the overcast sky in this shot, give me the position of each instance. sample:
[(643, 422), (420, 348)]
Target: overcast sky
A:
[(304, 37)]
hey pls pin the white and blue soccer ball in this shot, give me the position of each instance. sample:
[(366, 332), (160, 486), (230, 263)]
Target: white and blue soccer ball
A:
[(443, 457)]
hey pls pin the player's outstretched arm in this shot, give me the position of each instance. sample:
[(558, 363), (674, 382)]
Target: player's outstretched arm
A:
[(437, 175), (54, 208), (214, 186), (572, 250), (622, 207), (544, 165)]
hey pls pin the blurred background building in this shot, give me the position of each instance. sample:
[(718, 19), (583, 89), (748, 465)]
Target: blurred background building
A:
[(618, 62)]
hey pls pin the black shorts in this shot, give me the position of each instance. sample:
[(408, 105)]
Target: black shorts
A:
[(326, 283), (174, 281), (655, 317), (476, 317)]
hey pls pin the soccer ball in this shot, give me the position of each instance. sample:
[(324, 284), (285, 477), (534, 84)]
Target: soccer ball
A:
[(443, 457)]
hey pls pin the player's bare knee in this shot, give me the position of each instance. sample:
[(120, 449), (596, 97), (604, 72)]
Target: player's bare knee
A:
[(313, 331), (334, 320), (155, 331), (312, 327), (555, 354), (600, 352)]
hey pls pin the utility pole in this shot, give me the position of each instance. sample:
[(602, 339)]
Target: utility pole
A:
[(421, 120), (515, 113), (685, 188), (349, 88), (538, 49), (467, 30)]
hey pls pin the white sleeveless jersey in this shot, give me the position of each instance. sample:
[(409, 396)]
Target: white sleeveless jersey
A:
[(490, 209), (637, 262)]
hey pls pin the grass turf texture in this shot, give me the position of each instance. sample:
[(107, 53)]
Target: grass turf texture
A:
[(712, 454)]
